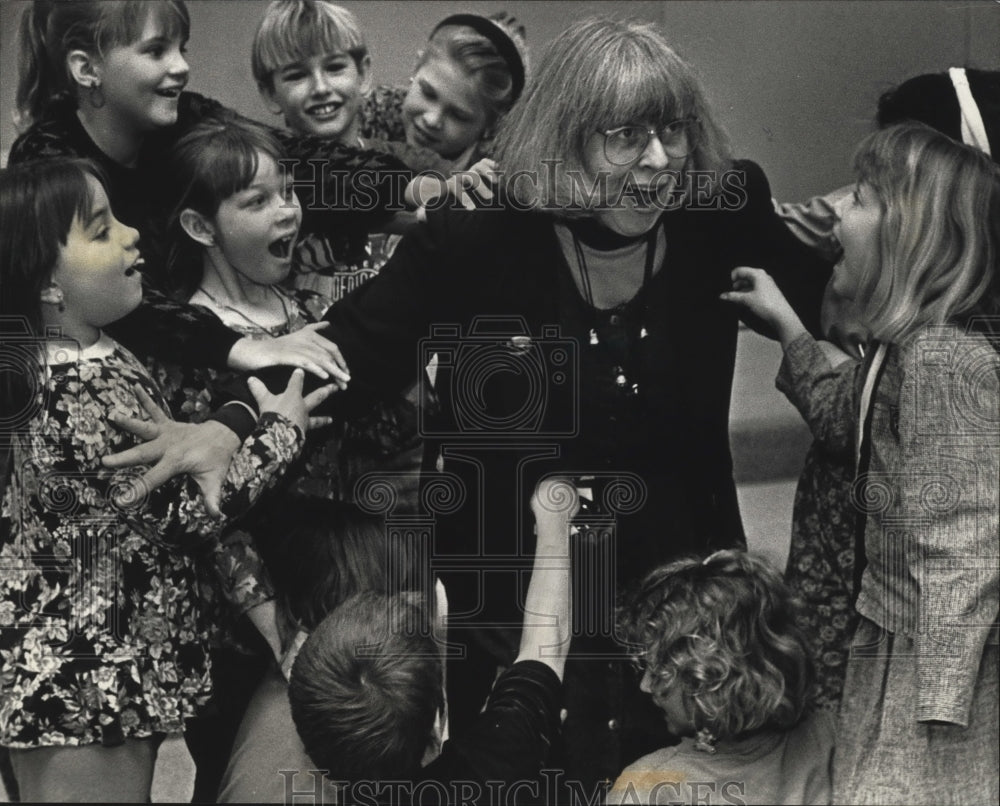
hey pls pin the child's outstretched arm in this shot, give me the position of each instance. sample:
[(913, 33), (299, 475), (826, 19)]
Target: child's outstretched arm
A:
[(255, 466), (824, 394), (758, 296), (545, 635)]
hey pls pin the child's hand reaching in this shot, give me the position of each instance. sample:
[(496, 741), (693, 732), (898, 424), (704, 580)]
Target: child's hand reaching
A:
[(554, 504), (290, 403), (466, 187), (765, 307), (305, 348)]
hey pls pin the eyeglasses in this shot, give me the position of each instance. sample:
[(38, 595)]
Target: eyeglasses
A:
[(625, 144)]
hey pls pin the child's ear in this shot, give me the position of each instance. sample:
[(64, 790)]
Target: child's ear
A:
[(84, 68), (365, 73), (197, 227)]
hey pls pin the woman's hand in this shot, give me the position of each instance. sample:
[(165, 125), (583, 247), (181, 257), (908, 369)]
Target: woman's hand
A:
[(305, 349), (767, 311)]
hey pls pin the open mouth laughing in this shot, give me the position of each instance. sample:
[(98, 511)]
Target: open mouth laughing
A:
[(135, 267), (282, 247)]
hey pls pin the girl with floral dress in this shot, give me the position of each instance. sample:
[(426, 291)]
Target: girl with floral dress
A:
[(919, 717), (102, 650), (231, 227)]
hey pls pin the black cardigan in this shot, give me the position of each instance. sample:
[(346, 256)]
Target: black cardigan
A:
[(466, 273)]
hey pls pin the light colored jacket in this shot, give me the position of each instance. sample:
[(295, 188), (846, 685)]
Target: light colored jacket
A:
[(930, 497)]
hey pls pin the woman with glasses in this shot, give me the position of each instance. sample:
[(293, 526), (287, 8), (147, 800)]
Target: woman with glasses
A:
[(578, 329)]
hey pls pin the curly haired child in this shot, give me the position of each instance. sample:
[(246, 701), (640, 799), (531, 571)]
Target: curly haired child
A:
[(731, 671)]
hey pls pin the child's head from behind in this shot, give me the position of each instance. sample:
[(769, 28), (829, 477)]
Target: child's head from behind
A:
[(469, 74), (124, 58), (921, 238), (933, 98), (65, 260), (311, 63), (328, 552), (366, 688), (229, 203), (720, 646)]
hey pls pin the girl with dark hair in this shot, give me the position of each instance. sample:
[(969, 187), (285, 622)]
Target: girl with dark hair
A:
[(102, 646), (105, 80)]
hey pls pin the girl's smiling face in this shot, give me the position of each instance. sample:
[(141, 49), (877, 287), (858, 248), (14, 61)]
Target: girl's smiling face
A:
[(97, 271), (443, 110), (255, 228), (141, 82)]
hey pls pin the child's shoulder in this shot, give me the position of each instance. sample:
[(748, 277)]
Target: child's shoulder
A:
[(816, 732), (381, 114), (949, 352), (640, 781)]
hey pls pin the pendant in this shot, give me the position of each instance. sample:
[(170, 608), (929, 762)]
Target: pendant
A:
[(593, 337), (621, 380), (643, 333)]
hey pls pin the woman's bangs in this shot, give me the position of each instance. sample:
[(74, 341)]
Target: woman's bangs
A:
[(640, 88)]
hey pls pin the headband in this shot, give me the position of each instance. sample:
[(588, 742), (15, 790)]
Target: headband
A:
[(499, 38), (973, 130)]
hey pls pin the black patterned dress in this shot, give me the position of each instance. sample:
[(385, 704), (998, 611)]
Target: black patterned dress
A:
[(234, 579), (102, 637)]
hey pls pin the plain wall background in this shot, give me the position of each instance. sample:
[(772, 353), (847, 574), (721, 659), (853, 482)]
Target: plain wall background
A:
[(795, 82)]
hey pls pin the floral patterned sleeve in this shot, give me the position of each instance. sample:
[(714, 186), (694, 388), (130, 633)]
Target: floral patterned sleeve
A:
[(106, 638), (825, 396), (382, 114)]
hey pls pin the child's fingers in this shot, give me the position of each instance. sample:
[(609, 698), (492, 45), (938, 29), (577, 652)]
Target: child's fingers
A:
[(483, 190), (143, 429), (154, 411), (259, 391), (295, 383), (158, 474), (142, 454), (319, 422), (317, 396)]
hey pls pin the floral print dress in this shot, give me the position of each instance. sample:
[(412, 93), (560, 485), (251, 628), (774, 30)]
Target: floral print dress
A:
[(234, 579), (102, 637)]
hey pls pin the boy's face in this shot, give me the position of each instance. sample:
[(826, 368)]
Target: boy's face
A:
[(321, 95)]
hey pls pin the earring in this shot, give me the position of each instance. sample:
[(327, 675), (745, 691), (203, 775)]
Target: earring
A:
[(96, 95), (57, 299)]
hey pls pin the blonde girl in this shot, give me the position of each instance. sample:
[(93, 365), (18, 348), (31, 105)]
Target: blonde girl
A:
[(921, 240)]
